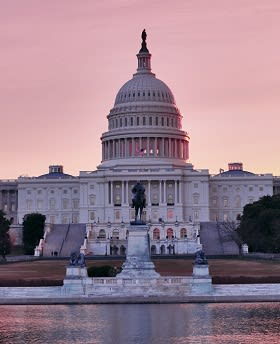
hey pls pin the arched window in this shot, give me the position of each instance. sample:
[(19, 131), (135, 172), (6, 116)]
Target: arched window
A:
[(156, 234), (115, 234), (183, 233), (153, 249), (102, 234), (169, 233)]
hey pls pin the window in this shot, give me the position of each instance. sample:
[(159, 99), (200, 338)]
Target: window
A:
[(75, 203), (195, 198), (115, 234), (156, 234), (150, 120), (251, 188), (52, 203), (225, 189), (225, 217), (39, 204), (214, 202), (183, 233), (65, 191), (28, 204), (92, 199), (169, 234), (156, 120), (170, 214), (137, 120), (195, 185), (261, 188), (144, 120), (92, 215), (102, 234), (225, 202), (117, 215), (196, 214), (5, 207), (65, 220), (117, 199), (75, 218), (155, 199), (237, 201), (170, 199), (65, 203)]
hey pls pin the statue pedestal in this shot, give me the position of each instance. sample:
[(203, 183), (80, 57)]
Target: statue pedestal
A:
[(138, 259), (202, 281)]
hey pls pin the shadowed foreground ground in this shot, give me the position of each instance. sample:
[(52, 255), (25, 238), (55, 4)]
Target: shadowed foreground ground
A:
[(52, 272)]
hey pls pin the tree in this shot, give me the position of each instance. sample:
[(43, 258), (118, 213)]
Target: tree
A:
[(228, 231), (260, 225), (33, 231), (5, 241)]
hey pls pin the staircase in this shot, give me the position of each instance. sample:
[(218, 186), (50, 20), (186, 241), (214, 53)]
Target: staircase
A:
[(64, 239), (73, 240), (214, 242)]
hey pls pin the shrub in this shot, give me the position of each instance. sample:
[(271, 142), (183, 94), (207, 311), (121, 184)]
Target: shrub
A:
[(102, 271)]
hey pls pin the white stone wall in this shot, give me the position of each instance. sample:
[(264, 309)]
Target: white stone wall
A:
[(58, 199), (228, 195)]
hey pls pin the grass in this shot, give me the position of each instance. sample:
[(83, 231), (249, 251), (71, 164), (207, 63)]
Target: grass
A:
[(52, 272)]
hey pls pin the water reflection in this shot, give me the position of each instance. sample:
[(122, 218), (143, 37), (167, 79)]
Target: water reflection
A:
[(141, 324)]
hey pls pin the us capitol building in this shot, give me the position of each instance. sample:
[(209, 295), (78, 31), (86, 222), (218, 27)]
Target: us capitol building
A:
[(145, 142)]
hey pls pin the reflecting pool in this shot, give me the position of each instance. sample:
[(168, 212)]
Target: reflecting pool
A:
[(141, 324)]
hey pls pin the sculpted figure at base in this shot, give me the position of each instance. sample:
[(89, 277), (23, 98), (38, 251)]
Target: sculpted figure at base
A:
[(138, 201), (77, 259), (200, 258)]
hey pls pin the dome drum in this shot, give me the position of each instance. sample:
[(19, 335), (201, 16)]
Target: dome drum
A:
[(145, 121)]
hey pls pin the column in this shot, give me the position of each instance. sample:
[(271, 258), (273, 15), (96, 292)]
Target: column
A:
[(164, 191), (133, 146), (127, 198), (149, 192), (169, 148), (109, 149), (160, 191), (106, 193), (111, 193), (180, 191), (122, 200), (176, 148), (176, 191)]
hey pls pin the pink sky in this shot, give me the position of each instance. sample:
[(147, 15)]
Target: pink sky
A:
[(63, 61)]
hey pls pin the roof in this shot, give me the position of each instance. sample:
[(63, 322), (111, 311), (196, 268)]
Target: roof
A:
[(55, 175), (235, 173)]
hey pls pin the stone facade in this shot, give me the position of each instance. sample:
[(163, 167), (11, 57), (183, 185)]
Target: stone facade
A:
[(144, 142)]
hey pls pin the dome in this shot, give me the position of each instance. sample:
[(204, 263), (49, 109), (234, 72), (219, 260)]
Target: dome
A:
[(144, 87)]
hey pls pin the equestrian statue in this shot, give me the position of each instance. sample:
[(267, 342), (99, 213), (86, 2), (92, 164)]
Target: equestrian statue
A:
[(138, 202)]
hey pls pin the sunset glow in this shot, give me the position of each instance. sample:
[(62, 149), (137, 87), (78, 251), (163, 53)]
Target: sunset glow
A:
[(63, 62)]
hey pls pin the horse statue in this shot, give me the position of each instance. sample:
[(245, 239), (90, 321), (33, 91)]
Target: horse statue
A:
[(138, 200)]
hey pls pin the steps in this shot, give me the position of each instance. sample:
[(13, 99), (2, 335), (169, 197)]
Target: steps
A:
[(64, 239), (215, 242)]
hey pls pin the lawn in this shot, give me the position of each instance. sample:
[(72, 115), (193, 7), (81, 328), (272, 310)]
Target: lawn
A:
[(52, 272)]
